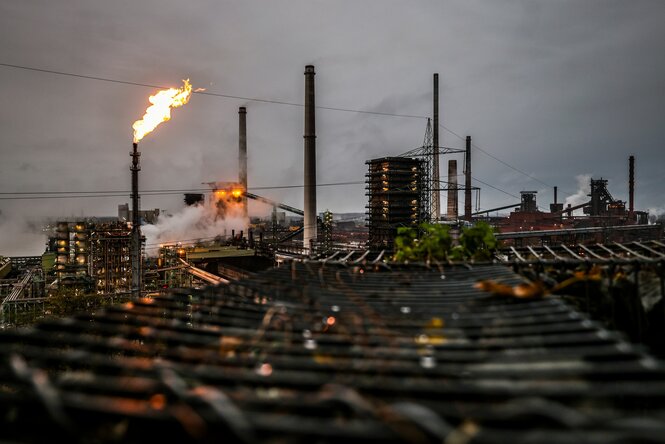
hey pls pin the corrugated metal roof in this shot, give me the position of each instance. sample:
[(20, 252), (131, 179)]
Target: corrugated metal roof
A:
[(315, 352)]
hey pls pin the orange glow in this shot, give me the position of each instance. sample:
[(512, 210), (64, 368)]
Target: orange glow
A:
[(330, 321), (236, 193), (160, 110), (158, 401)]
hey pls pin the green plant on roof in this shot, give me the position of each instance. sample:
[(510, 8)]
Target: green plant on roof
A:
[(433, 242)]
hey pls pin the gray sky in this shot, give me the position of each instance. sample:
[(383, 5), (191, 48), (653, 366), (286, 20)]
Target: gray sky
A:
[(554, 88)]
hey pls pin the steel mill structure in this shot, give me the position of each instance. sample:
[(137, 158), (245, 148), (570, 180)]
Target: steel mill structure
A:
[(396, 188), (91, 251)]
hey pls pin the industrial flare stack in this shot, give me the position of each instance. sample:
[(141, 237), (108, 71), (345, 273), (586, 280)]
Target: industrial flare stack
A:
[(136, 223)]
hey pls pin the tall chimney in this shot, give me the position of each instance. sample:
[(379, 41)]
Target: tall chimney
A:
[(467, 180), (136, 224), (452, 190), (242, 156), (435, 157), (555, 194), (309, 235), (631, 185)]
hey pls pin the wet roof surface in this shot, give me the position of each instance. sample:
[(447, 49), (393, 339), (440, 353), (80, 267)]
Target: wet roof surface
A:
[(314, 352)]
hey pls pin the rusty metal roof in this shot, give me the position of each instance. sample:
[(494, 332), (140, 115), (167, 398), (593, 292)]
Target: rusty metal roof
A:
[(315, 352)]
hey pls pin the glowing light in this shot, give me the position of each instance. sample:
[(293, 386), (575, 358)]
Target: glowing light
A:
[(158, 401), (236, 193), (264, 369), (160, 110)]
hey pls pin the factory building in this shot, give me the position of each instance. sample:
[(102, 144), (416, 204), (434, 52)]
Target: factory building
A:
[(92, 253), (395, 187)]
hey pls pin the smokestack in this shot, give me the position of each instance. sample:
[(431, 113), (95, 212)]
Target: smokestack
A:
[(435, 158), (452, 189), (309, 234), (631, 185), (242, 156), (556, 207), (467, 180), (136, 224)]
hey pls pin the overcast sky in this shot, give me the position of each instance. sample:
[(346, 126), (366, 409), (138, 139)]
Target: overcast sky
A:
[(556, 89)]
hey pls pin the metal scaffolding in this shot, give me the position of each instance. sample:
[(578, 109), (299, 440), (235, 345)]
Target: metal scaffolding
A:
[(110, 246), (433, 184), (397, 197)]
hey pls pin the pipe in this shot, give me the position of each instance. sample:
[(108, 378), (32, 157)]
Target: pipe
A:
[(631, 185), (242, 156), (136, 223), (452, 189), (556, 189), (309, 235), (435, 156), (467, 180)]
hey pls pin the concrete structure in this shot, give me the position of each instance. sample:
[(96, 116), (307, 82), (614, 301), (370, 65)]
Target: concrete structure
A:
[(309, 233), (242, 155), (452, 190)]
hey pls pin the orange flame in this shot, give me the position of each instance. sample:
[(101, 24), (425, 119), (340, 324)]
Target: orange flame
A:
[(160, 110)]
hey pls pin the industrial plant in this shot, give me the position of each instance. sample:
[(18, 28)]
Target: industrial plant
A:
[(107, 256), (305, 327)]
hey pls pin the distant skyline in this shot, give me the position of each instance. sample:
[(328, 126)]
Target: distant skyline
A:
[(551, 91)]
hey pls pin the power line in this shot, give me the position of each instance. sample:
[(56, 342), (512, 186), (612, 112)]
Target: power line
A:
[(208, 93), (277, 102), (496, 188), (499, 160), (27, 195)]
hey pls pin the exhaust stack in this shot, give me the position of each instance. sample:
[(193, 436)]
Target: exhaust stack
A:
[(631, 185), (435, 160), (467, 180), (242, 155), (452, 190), (556, 207), (309, 234), (136, 223)]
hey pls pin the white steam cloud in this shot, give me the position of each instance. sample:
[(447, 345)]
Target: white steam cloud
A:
[(189, 225), (21, 235), (582, 194)]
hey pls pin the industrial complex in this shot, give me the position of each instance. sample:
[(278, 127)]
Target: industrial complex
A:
[(107, 255), (300, 327)]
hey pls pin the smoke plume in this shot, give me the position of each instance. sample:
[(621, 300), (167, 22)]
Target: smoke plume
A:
[(192, 224), (582, 194)]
